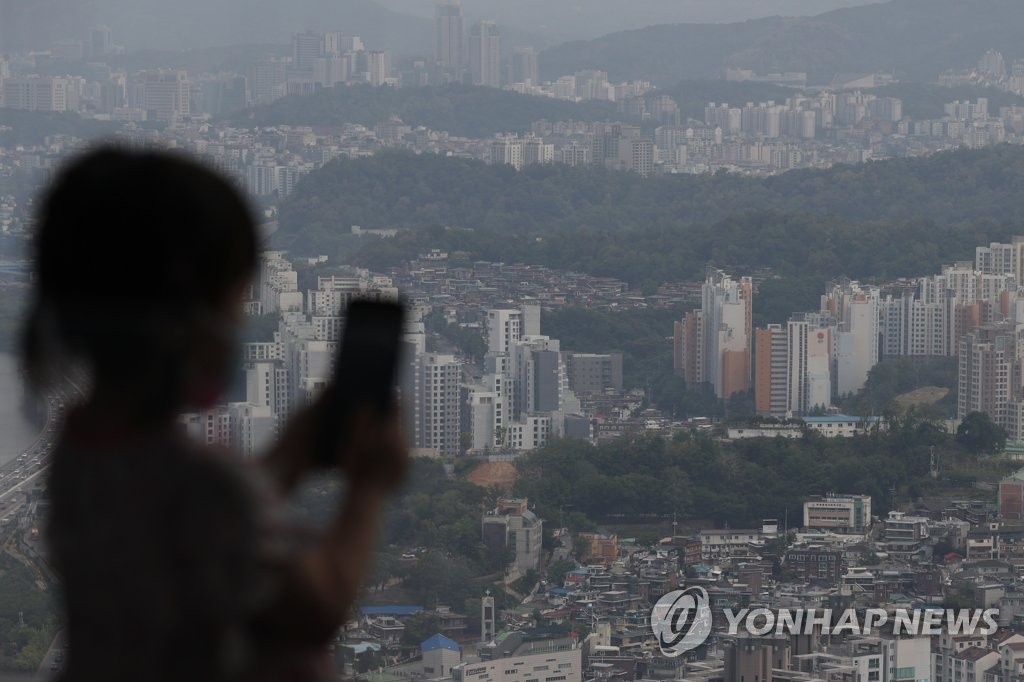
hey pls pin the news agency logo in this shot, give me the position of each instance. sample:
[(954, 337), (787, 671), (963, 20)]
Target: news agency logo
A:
[(681, 620)]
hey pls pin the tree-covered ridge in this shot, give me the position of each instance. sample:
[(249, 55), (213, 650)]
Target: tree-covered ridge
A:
[(902, 217), (699, 477), (461, 110), (947, 34)]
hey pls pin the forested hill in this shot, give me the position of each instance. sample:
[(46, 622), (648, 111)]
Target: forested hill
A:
[(884, 219), (462, 110), (916, 38)]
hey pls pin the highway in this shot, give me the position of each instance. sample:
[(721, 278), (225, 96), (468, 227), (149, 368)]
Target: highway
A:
[(24, 472), (18, 477)]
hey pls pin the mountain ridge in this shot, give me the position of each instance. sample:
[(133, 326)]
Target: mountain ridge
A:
[(866, 38)]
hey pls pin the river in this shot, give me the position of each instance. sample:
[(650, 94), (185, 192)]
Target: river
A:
[(16, 431)]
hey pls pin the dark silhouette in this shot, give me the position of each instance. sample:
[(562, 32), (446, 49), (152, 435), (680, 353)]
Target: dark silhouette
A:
[(179, 561)]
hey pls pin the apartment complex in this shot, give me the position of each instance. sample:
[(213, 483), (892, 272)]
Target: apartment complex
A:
[(713, 343)]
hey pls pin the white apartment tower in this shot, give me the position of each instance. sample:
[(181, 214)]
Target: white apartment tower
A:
[(855, 309), (506, 326), (809, 346), (722, 346)]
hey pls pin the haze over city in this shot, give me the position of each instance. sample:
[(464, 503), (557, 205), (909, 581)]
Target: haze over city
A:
[(716, 303)]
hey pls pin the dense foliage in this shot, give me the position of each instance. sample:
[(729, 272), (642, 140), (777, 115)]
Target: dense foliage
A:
[(894, 218), (462, 110), (895, 376), (947, 34), (978, 433), (436, 512), (27, 617), (640, 335), (649, 478)]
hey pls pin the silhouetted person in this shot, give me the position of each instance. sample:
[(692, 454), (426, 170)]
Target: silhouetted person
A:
[(179, 561)]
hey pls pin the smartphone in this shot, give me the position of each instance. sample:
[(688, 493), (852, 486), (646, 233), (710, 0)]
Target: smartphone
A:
[(364, 371)]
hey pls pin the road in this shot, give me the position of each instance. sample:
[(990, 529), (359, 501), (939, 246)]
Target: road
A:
[(53, 658), (25, 471), (18, 477)]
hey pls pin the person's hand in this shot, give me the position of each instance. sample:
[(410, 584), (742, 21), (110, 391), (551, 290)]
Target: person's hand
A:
[(376, 453)]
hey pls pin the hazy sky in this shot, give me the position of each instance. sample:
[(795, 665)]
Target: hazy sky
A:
[(562, 20), (206, 23)]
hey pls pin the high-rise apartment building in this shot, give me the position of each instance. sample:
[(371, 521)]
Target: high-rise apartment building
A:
[(1001, 259), (539, 373), (449, 35), (771, 371), (166, 94), (378, 67), (593, 372), (306, 47), (921, 321), (485, 54), (269, 80), (855, 310), (436, 416), (714, 342), (507, 326), (485, 412), (522, 66), (100, 42), (637, 154), (988, 365), (809, 350)]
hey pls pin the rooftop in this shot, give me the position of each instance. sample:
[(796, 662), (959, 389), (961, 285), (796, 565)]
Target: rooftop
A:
[(438, 641)]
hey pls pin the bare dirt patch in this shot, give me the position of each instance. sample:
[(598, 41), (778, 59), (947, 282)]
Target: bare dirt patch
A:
[(926, 395), (501, 474)]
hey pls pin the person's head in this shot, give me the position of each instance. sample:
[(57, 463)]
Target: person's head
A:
[(140, 262)]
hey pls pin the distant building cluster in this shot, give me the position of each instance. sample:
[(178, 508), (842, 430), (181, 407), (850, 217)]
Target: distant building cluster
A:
[(971, 310), (286, 373), (317, 60), (992, 70), (524, 393)]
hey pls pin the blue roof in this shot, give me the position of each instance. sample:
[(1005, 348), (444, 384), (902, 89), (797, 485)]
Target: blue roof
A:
[(397, 610), (580, 571), (438, 642), (559, 591)]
